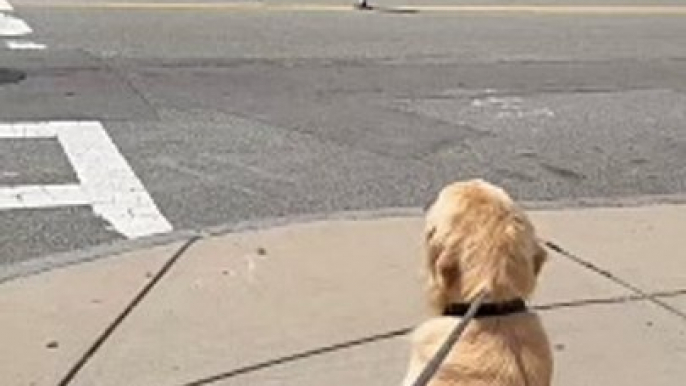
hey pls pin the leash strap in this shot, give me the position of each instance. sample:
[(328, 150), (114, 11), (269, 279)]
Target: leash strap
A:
[(433, 365)]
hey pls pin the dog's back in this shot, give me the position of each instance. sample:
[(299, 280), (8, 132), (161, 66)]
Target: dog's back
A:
[(496, 351)]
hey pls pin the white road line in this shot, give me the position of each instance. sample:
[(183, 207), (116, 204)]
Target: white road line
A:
[(107, 179), (5, 6), (27, 130), (41, 196), (13, 26), (107, 182), (24, 45)]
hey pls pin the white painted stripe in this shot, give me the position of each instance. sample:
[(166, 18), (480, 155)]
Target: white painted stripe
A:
[(108, 181), (41, 196), (5, 6), (27, 130), (13, 26), (24, 45)]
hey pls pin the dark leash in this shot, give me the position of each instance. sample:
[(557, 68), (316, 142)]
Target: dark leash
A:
[(454, 336)]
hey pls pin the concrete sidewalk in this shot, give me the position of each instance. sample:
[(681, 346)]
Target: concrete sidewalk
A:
[(239, 309)]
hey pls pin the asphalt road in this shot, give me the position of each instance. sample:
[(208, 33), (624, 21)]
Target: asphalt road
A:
[(228, 112)]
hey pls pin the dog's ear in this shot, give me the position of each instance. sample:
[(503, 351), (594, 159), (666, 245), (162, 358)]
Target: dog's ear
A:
[(442, 273), (540, 257), (433, 251), (442, 264), (447, 270), (540, 254)]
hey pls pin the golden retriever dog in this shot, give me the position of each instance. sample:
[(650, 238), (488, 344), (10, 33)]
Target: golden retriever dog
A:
[(478, 239)]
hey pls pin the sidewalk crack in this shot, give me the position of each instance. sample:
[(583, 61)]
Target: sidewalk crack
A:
[(611, 300), (642, 295), (380, 337), (112, 327)]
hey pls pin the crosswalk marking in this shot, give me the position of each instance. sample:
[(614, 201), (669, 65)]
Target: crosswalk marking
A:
[(106, 181), (28, 130), (5, 5), (24, 45), (11, 26), (37, 196)]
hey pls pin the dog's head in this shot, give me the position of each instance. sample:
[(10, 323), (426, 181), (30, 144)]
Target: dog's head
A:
[(478, 239)]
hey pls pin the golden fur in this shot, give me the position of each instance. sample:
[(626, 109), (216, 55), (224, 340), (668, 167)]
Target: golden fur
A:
[(478, 239)]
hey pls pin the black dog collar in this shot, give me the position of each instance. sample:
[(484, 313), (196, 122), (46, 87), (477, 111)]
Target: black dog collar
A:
[(487, 309)]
